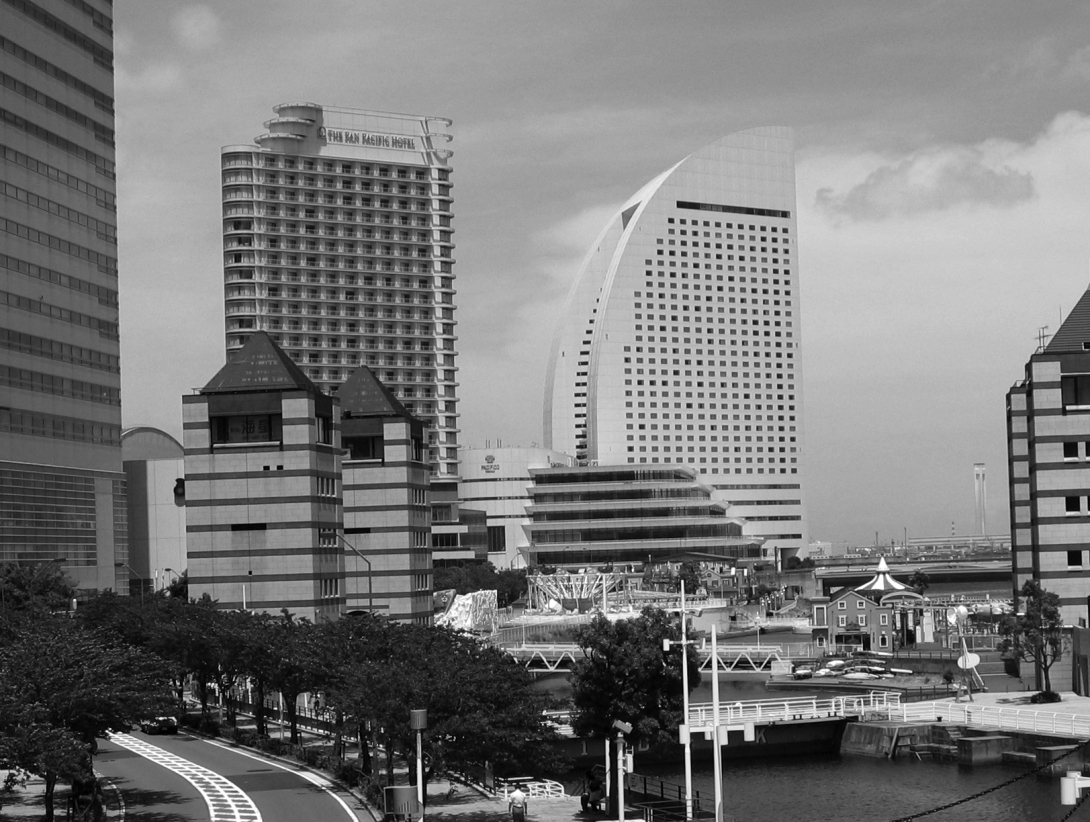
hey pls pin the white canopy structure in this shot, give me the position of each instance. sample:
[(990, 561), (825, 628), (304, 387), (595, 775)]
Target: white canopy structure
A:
[(883, 581)]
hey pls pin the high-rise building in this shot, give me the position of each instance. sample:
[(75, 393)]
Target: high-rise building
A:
[(680, 340), (338, 242), (1048, 451), (62, 488)]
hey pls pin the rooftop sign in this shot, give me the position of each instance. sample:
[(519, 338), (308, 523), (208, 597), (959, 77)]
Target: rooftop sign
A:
[(366, 138)]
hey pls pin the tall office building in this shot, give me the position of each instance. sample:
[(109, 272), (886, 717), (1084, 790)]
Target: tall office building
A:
[(338, 242), (62, 488), (1048, 448), (680, 340)]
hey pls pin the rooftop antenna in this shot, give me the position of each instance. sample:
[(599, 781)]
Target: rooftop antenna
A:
[(1042, 338)]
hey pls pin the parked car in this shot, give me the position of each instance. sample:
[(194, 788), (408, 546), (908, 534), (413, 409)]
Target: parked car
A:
[(159, 725)]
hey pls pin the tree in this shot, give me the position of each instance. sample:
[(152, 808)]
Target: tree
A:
[(625, 675), (1037, 634), (43, 587), (919, 581), (509, 584), (689, 573), (61, 686)]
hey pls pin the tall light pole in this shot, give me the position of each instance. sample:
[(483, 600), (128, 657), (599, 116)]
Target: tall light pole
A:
[(370, 588), (418, 721), (717, 752), (171, 570), (622, 729), (131, 571), (684, 730)]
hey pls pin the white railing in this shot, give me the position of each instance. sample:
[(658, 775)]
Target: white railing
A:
[(993, 716), (768, 711), (534, 787)]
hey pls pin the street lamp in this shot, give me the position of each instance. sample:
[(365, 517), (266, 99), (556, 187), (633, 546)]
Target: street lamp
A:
[(131, 571), (683, 731), (622, 729), (171, 570), (370, 589), (418, 721)]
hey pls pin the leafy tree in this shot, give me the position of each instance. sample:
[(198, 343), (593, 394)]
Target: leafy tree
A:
[(43, 587), (689, 572), (293, 672), (1037, 634), (624, 675), (919, 581), (509, 584), (62, 684), (179, 586)]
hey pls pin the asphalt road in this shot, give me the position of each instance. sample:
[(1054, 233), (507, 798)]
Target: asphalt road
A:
[(157, 791)]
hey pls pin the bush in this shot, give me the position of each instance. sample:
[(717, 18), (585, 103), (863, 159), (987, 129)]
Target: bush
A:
[(346, 772), (372, 792), (947, 676), (1045, 697), (267, 744)]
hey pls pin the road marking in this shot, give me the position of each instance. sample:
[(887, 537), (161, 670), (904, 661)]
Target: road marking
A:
[(226, 801), (320, 781)]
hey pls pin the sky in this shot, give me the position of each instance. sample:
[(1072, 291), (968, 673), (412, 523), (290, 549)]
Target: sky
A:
[(943, 171)]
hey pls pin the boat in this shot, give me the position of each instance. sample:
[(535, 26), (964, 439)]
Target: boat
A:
[(901, 671), (860, 675)]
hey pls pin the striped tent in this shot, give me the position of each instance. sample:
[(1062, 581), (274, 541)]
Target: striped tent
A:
[(883, 581)]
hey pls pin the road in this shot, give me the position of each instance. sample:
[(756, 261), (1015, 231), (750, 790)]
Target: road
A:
[(187, 779)]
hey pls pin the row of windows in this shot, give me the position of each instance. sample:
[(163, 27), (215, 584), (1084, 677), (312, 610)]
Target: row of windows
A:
[(330, 166), (105, 329), (102, 56), (14, 421), (28, 380), (102, 133), (107, 168), (103, 230), (105, 199), (105, 263), (105, 296), (714, 469), (101, 101)]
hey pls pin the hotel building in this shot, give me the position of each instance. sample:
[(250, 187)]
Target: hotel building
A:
[(338, 242), (62, 487), (680, 340), (1048, 448)]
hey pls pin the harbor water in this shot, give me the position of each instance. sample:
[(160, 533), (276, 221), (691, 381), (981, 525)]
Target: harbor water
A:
[(861, 789)]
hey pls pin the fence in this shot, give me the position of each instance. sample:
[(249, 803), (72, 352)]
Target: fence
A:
[(994, 716)]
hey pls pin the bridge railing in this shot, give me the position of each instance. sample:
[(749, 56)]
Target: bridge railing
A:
[(994, 716)]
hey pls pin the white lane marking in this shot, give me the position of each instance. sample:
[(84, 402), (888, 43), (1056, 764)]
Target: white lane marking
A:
[(226, 801), (313, 778)]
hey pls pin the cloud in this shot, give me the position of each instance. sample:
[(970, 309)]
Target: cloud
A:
[(157, 77), (196, 27), (935, 179)]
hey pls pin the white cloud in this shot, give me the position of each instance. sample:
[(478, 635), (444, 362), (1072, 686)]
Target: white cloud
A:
[(196, 27), (157, 77), (933, 179)]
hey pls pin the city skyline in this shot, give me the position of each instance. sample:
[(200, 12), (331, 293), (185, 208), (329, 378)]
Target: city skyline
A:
[(941, 166)]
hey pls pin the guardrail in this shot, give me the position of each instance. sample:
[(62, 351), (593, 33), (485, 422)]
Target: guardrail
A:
[(767, 711), (993, 716)]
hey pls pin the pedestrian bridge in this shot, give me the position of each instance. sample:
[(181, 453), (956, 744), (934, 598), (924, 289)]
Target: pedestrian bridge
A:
[(558, 657), (758, 712)]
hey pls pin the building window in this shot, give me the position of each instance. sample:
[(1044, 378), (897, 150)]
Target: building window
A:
[(1071, 450), (860, 605), (862, 621), (1075, 390), (883, 641), (842, 621), (246, 428), (842, 605), (1074, 559), (1073, 505), (883, 619), (325, 429)]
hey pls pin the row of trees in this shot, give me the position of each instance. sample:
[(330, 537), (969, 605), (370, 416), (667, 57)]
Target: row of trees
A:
[(126, 658)]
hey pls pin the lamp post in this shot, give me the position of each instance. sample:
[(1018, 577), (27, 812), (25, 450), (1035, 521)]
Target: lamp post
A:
[(171, 570), (717, 752), (370, 588), (131, 571), (622, 729), (418, 721), (683, 731)]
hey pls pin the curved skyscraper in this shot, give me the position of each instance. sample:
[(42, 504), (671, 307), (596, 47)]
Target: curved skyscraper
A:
[(680, 339)]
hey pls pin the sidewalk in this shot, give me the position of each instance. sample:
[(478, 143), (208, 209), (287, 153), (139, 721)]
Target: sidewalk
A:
[(29, 802), (469, 805)]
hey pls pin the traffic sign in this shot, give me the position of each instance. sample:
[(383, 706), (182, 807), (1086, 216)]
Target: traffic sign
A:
[(969, 660)]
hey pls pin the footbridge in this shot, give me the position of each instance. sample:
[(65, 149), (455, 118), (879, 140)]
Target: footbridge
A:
[(558, 657), (758, 712)]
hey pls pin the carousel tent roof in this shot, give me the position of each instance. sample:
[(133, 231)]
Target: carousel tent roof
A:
[(883, 581)]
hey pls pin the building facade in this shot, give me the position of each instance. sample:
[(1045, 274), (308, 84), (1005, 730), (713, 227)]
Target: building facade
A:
[(155, 483), (338, 242), (1048, 450), (680, 343), (626, 516), (262, 476), (387, 505), (62, 489), (497, 481)]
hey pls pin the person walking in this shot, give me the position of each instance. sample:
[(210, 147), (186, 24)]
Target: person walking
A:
[(516, 804)]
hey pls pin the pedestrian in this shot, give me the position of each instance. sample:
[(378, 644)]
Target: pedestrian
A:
[(516, 804)]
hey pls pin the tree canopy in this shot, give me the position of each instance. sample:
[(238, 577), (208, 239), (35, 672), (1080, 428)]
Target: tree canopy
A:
[(625, 674), (1036, 635)]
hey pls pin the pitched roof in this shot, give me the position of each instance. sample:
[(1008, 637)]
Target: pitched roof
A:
[(260, 365), (1074, 332), (363, 395)]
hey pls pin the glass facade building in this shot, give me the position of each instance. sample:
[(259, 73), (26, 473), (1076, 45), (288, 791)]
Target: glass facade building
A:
[(62, 489)]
